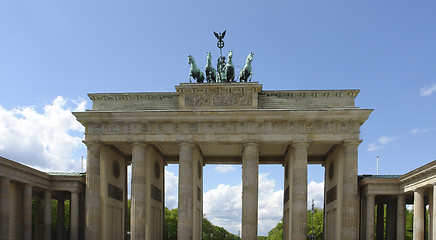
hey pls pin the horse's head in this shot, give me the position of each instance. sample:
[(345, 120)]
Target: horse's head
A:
[(250, 57), (190, 59), (209, 57), (230, 54)]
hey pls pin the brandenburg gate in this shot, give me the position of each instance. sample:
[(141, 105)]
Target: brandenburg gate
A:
[(219, 123)]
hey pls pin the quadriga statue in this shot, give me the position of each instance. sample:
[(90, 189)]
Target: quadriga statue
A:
[(195, 72), (209, 70), (246, 73)]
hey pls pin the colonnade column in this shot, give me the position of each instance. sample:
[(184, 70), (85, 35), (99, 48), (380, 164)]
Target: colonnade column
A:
[(186, 192), (47, 215), (418, 214), (92, 201), (430, 214), (138, 191), (250, 184), (350, 199), (74, 216), (391, 219), (299, 192), (60, 223), (401, 217), (433, 213), (370, 208), (4, 208), (27, 212), (380, 221)]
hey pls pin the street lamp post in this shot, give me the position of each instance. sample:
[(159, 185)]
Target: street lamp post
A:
[(313, 211)]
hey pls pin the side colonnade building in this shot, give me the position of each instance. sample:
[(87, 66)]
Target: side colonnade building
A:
[(388, 195), (21, 185)]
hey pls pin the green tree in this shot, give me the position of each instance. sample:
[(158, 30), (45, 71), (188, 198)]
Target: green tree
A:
[(276, 233), (170, 232), (318, 221)]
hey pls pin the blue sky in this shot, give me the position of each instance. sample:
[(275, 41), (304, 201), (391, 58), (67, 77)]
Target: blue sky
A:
[(52, 53)]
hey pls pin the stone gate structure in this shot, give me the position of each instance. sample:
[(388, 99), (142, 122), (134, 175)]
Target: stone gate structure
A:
[(219, 123)]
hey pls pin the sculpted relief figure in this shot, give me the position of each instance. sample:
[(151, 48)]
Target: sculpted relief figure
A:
[(209, 70), (246, 73), (195, 72)]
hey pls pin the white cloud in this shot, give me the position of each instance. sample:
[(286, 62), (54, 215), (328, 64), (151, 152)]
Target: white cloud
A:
[(383, 140), (373, 147), (421, 130), (223, 205), (427, 91), (224, 168), (386, 140), (315, 191), (47, 140), (171, 189)]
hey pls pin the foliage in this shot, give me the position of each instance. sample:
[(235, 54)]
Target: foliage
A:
[(276, 233), (210, 231), (318, 221), (318, 218)]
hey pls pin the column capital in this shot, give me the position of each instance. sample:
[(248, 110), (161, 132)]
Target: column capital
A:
[(144, 144), (186, 143), (355, 142), (301, 143), (250, 143)]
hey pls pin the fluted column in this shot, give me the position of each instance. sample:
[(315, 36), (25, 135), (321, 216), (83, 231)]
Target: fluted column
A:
[(299, 192), (250, 184), (60, 221), (418, 214), (92, 201), (401, 217), (47, 215), (350, 199), (74, 216), (370, 208), (27, 212), (4, 208), (186, 190), (138, 192)]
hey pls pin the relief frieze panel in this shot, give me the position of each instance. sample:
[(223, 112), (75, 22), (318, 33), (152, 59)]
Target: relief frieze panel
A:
[(218, 99), (237, 127)]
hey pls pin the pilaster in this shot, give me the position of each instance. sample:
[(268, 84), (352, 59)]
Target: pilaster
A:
[(74, 216), (380, 221), (47, 215), (60, 224), (250, 184), (4, 208), (27, 212)]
